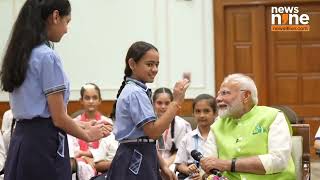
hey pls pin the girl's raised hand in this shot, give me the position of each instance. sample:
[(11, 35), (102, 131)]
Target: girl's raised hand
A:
[(179, 90)]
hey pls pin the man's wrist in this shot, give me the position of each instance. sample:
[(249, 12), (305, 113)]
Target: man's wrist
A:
[(233, 165)]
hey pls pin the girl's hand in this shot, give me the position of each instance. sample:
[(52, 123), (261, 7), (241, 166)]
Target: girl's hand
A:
[(179, 90), (192, 168), (103, 121), (98, 131), (78, 154), (195, 176)]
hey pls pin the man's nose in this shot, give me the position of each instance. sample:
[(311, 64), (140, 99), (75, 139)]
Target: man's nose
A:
[(219, 98)]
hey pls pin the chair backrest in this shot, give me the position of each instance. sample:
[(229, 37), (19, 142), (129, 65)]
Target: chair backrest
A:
[(291, 115), (302, 160), (296, 153), (304, 131)]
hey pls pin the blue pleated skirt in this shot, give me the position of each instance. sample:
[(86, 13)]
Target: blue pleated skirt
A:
[(135, 161), (38, 151)]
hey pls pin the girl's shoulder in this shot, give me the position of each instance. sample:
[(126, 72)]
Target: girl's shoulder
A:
[(180, 121), (43, 56), (131, 90), (42, 51)]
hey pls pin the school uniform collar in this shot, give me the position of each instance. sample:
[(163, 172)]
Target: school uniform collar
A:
[(140, 84), (196, 133)]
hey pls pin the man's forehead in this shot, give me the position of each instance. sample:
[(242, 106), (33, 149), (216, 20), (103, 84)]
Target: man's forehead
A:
[(230, 85)]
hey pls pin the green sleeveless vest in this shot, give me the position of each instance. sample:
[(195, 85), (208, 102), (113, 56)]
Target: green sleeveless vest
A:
[(248, 136)]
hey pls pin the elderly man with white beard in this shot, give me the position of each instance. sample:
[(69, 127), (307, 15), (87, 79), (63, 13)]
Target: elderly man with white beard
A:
[(248, 141)]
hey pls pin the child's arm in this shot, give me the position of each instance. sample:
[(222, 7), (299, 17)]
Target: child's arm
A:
[(154, 129), (185, 169), (102, 166), (171, 159), (83, 153), (165, 171), (64, 122)]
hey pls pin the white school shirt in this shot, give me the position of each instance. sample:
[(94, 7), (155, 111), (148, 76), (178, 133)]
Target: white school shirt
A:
[(191, 141), (181, 128), (107, 149), (73, 142), (6, 128), (7, 121), (279, 144)]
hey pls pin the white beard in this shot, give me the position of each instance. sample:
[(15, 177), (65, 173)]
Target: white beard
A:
[(231, 110)]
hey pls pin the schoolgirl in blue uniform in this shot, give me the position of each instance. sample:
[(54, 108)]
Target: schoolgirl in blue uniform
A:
[(38, 91), (136, 126)]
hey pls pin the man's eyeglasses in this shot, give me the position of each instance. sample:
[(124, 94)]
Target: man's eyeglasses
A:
[(227, 92)]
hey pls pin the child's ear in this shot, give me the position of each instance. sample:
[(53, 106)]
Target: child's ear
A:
[(132, 64), (54, 17), (81, 101), (99, 102)]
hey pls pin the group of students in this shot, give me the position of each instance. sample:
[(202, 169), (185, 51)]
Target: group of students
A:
[(174, 145), (90, 159)]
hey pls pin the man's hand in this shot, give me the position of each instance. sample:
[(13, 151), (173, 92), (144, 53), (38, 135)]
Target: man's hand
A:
[(210, 163)]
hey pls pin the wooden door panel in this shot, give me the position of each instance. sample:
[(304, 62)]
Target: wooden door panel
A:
[(314, 14), (239, 40), (283, 52), (286, 90), (310, 90), (310, 56), (294, 69), (243, 59), (244, 48)]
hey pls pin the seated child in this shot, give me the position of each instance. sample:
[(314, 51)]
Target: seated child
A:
[(204, 112), (90, 99), (171, 138)]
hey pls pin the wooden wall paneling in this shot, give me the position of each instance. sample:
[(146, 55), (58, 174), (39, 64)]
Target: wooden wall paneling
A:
[(219, 41), (260, 53), (244, 42)]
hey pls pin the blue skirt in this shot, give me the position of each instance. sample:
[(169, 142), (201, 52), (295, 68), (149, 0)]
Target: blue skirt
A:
[(38, 151), (135, 161)]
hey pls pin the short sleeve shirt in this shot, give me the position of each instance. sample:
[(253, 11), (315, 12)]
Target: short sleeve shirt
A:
[(134, 109), (191, 141), (44, 76), (181, 128)]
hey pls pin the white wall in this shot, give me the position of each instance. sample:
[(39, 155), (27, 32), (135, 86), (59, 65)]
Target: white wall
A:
[(101, 31)]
